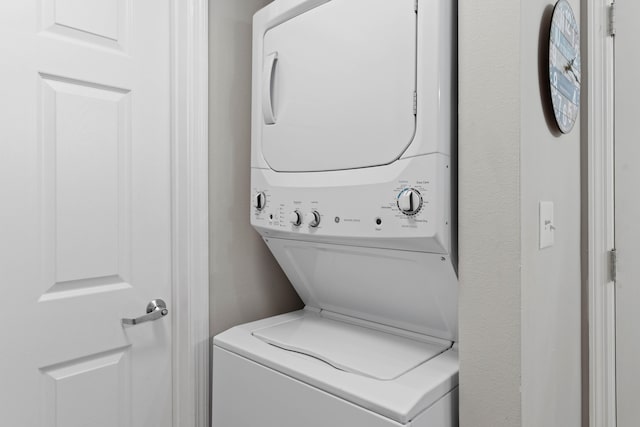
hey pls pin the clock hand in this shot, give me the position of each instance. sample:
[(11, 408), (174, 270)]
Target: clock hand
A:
[(569, 67), (574, 75)]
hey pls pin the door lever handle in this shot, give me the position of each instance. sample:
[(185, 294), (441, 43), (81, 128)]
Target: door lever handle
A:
[(155, 310)]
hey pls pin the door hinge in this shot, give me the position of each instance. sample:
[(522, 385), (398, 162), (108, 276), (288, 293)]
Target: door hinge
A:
[(415, 103), (613, 265), (612, 19)]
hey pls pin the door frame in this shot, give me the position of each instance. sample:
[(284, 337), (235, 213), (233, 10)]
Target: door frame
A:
[(190, 212), (599, 128)]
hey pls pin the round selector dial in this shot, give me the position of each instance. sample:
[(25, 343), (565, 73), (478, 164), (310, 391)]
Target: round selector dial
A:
[(295, 218), (260, 200), (409, 201), (313, 218)]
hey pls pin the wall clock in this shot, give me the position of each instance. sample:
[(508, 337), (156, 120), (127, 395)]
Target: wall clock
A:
[(564, 66)]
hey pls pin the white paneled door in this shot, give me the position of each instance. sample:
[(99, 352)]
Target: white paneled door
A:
[(85, 219), (627, 213)]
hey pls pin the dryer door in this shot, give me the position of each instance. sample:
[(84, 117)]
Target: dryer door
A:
[(338, 84)]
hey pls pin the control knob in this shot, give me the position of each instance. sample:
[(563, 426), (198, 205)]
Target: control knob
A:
[(409, 201), (260, 200), (313, 218), (295, 218)]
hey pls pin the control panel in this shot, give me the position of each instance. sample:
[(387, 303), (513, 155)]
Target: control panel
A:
[(413, 206)]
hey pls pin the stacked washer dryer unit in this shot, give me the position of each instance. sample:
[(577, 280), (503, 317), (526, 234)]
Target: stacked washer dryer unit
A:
[(352, 136)]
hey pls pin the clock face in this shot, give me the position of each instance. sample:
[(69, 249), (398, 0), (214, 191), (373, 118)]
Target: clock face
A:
[(564, 66)]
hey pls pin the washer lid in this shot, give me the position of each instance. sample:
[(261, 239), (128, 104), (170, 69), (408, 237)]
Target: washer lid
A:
[(356, 349), (337, 87), (414, 291)]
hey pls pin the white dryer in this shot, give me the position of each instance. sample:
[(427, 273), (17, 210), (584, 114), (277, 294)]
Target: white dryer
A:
[(353, 127)]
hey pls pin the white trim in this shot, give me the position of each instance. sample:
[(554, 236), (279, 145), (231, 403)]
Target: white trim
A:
[(602, 379), (189, 91)]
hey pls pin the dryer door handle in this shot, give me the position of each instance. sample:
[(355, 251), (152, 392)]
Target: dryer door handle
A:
[(268, 74)]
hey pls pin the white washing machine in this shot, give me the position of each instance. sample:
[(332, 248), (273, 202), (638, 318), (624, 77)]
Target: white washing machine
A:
[(353, 127)]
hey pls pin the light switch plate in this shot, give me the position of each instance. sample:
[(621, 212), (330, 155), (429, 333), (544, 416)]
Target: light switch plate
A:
[(547, 227)]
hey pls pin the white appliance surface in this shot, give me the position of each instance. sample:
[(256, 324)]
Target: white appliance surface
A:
[(249, 394), (351, 348), (348, 100), (414, 291), (344, 215), (353, 124), (351, 203), (400, 399), (318, 90)]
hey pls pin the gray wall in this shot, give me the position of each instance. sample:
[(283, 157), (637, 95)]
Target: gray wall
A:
[(245, 281), (551, 278), (520, 307), (489, 212)]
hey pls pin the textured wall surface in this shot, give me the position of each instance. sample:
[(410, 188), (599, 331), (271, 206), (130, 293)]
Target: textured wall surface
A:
[(246, 283), (489, 213)]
